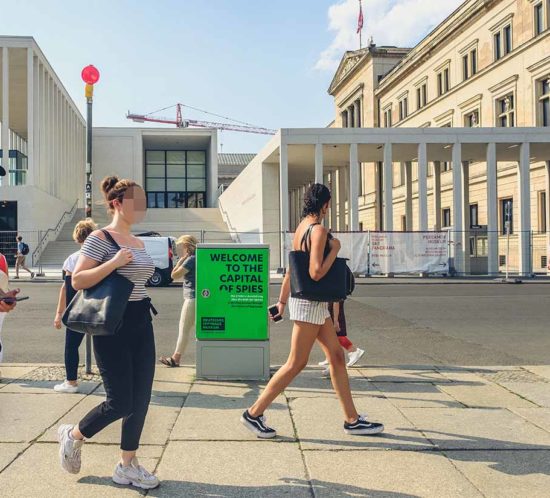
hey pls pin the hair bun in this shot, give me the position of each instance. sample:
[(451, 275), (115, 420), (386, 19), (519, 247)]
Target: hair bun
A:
[(108, 183)]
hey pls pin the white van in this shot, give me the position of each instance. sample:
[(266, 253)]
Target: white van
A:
[(162, 250)]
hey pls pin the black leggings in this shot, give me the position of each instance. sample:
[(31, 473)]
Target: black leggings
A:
[(72, 343), (126, 362)]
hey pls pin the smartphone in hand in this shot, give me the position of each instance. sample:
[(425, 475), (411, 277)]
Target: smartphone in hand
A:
[(274, 312), (11, 300)]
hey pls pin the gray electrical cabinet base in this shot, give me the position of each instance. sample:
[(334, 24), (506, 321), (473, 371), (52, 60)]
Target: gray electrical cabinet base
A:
[(233, 360)]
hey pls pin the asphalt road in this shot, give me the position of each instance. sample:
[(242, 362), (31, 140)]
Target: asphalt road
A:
[(397, 323)]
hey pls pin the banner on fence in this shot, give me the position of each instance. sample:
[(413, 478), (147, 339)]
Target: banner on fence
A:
[(408, 252)]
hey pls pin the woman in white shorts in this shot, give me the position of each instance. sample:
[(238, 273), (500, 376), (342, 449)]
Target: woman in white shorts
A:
[(311, 322)]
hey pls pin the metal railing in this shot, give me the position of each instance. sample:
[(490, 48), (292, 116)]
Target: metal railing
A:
[(51, 234)]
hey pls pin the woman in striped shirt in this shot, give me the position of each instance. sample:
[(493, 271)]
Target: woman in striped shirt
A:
[(126, 360), (311, 322)]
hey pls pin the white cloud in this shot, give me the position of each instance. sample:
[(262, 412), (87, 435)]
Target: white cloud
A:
[(391, 22)]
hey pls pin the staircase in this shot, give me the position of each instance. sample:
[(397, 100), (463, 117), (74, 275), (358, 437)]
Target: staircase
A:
[(206, 224), (57, 251)]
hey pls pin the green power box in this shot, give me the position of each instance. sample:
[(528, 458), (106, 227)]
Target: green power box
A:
[(232, 292)]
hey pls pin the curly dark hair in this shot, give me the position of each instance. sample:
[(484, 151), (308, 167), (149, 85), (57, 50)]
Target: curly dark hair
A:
[(316, 196)]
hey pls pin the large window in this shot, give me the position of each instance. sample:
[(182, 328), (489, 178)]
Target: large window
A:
[(471, 120), (474, 215), (446, 217), (544, 101), (443, 82), (505, 110), (503, 42), (403, 108), (175, 178), (506, 215), (538, 19), (388, 117)]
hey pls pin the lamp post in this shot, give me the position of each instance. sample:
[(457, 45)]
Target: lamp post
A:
[(90, 76)]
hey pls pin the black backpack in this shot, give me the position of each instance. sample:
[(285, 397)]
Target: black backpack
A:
[(24, 249)]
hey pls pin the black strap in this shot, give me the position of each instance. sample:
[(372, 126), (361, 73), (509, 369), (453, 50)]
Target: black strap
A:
[(109, 237), (306, 238)]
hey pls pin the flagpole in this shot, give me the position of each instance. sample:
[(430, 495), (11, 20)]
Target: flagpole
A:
[(360, 26)]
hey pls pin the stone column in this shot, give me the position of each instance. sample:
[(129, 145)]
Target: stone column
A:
[(318, 163), (353, 188), (408, 196), (437, 195), (283, 198), (524, 179), (6, 114), (388, 187), (422, 187), (492, 209), (458, 206)]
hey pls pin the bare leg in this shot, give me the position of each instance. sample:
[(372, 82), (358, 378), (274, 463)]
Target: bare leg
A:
[(338, 373), (127, 457), (303, 338)]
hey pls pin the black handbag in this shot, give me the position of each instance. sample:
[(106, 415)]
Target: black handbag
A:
[(99, 310), (336, 285)]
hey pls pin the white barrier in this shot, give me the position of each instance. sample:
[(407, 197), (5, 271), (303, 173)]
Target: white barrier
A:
[(372, 253)]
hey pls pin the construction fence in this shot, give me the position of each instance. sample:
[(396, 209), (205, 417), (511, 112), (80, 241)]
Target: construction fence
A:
[(369, 253)]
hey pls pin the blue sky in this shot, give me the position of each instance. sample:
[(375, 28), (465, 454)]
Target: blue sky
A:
[(264, 62)]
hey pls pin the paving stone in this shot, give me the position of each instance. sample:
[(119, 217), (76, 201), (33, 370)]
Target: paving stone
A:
[(388, 474), (45, 387), (488, 395), (538, 393), (223, 415), (11, 373), (37, 472), (477, 428), (412, 374), (501, 474), (319, 423), (537, 416), (8, 452), (161, 416), (24, 417), (310, 384), (420, 394), (542, 370), (232, 469)]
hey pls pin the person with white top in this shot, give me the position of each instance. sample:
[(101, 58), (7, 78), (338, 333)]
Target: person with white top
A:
[(73, 339)]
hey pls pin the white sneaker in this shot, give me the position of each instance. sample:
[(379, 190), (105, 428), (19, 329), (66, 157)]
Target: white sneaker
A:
[(65, 387), (355, 356), (323, 363), (325, 374), (69, 449), (135, 475)]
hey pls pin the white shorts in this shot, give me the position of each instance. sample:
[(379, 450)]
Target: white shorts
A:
[(302, 310)]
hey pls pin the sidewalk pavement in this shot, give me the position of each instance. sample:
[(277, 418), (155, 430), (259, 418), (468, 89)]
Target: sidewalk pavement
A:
[(450, 432)]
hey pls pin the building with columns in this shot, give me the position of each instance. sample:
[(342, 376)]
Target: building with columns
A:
[(42, 140), (487, 65)]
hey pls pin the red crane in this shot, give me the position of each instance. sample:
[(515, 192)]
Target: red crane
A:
[(185, 123)]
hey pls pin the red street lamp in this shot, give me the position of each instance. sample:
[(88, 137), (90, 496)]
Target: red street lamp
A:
[(90, 75)]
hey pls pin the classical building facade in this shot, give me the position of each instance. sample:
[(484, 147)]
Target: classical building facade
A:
[(486, 65)]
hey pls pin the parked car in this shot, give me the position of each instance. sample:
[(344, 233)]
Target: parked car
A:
[(162, 250)]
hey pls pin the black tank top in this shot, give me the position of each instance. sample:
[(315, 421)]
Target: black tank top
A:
[(306, 240)]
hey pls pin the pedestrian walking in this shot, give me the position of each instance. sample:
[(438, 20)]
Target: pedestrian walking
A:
[(5, 306), (185, 267), (311, 322), (126, 360), (20, 257), (338, 317), (73, 339)]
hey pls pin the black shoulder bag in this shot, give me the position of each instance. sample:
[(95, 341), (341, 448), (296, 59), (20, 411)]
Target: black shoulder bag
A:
[(99, 309), (336, 285)]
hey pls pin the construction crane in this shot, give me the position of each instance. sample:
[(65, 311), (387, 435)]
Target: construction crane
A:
[(185, 123)]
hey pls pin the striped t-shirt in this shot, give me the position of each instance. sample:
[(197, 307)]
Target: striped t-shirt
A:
[(138, 271)]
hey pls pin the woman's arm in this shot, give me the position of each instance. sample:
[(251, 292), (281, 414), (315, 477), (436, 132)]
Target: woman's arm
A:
[(88, 272), (283, 295), (179, 271), (60, 306), (318, 265)]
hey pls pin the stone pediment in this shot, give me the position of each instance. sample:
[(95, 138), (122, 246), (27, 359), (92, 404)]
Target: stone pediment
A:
[(347, 64)]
